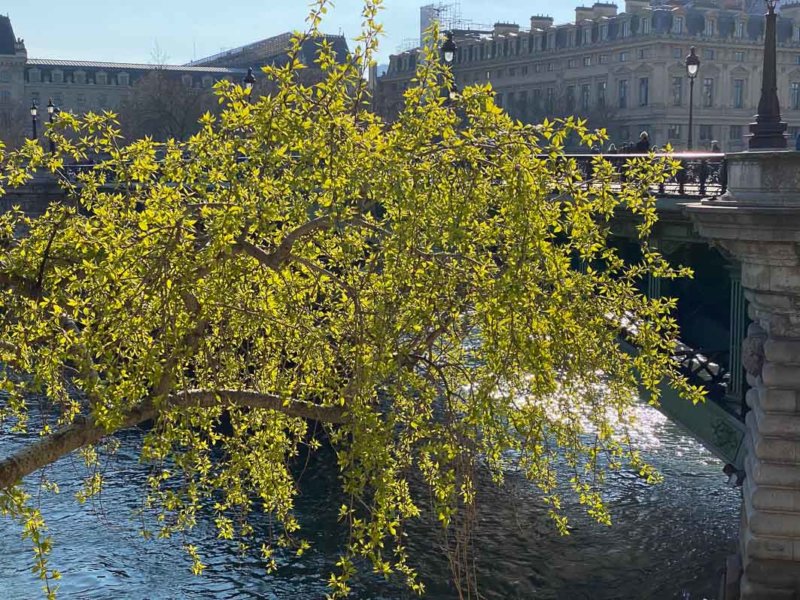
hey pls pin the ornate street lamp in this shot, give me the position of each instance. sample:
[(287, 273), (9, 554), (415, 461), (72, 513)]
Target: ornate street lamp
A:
[(249, 81), (768, 130), (692, 69), (51, 111), (449, 49), (34, 113)]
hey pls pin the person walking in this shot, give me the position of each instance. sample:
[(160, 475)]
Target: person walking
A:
[(643, 145)]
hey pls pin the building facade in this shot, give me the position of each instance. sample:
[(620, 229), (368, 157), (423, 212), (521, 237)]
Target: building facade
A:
[(626, 70), (82, 86)]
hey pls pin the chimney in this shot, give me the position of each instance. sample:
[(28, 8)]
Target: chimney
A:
[(583, 13), (604, 9), (505, 28), (636, 6), (541, 22)]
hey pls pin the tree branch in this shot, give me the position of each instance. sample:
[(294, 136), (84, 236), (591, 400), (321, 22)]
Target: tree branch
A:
[(85, 431)]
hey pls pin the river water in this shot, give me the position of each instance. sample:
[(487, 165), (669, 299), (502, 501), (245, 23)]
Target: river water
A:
[(667, 541)]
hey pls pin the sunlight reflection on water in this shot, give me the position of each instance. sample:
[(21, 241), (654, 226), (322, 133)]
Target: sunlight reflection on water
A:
[(666, 541)]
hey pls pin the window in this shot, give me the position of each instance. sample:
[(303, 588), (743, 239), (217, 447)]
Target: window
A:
[(625, 133), (738, 93), (645, 25), (708, 53), (642, 53), (674, 131), (622, 93), (587, 36), (208, 81), (677, 91), (706, 133), (738, 56), (625, 29), (5, 96), (677, 25), (587, 61), (101, 78), (644, 91), (603, 32), (603, 60), (549, 67), (536, 100), (735, 132), (572, 63), (601, 94), (510, 101), (709, 27), (512, 72), (5, 76), (35, 98), (551, 99), (499, 100), (58, 99), (586, 94), (80, 101), (123, 79), (739, 31), (676, 53), (708, 92), (35, 76), (537, 68), (525, 70), (623, 57), (570, 97), (794, 101), (80, 77), (58, 76), (186, 79)]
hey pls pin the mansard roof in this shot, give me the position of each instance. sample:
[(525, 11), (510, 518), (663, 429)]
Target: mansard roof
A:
[(8, 41), (87, 64)]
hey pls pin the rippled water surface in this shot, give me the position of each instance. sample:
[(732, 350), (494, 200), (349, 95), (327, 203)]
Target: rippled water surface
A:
[(667, 541)]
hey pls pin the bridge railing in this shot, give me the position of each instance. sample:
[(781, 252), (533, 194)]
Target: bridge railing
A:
[(701, 174)]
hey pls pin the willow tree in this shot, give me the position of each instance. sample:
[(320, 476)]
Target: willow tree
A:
[(409, 288)]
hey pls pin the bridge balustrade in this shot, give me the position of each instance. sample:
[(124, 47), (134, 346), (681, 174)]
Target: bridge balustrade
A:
[(701, 174)]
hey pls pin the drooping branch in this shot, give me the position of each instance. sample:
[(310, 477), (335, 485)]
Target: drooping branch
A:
[(85, 431)]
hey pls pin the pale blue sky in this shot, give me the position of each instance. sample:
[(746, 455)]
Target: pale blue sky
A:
[(128, 30)]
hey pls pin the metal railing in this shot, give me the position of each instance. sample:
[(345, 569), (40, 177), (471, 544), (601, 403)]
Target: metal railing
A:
[(702, 174)]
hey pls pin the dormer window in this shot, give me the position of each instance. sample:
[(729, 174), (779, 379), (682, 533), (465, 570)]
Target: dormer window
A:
[(58, 76), (645, 25), (709, 27), (625, 29), (34, 76), (123, 79), (208, 81), (677, 25), (80, 77), (186, 79), (604, 32), (101, 78), (739, 31)]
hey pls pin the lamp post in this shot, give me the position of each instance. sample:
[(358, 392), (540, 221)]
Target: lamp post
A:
[(249, 81), (51, 111), (34, 113), (692, 68), (768, 130), (449, 49)]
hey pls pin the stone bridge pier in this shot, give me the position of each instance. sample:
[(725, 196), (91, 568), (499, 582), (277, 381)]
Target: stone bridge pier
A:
[(758, 222)]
